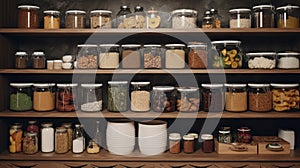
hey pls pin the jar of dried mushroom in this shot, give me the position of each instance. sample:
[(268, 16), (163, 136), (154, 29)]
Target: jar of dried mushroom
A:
[(264, 16), (91, 100), (188, 99), (51, 19), (61, 140), (68, 127), (153, 19), (163, 99), (38, 60), (75, 19), (109, 56), (21, 60), (15, 138), (174, 143), (28, 16), (43, 96), (131, 56), (184, 18), (197, 55), (117, 96), (101, 19), (65, 97), (87, 56), (30, 143), (175, 56), (213, 97), (153, 56), (20, 98), (286, 97), (260, 97), (140, 96), (240, 18), (288, 16), (121, 21), (236, 97)]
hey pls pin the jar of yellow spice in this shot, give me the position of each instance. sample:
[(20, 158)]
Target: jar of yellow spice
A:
[(51, 19), (43, 97)]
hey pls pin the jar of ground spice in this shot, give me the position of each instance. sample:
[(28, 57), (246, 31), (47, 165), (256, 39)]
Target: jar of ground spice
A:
[(38, 60), (28, 16), (260, 97), (188, 144), (236, 97), (43, 97), (207, 143), (51, 19), (174, 143), (174, 56), (131, 56), (163, 99), (197, 56), (21, 60), (264, 16), (75, 19), (213, 97), (140, 96)]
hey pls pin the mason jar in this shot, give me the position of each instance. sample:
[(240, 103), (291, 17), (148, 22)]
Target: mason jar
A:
[(91, 100), (213, 97), (153, 56), (38, 60), (140, 96), (288, 16), (240, 18), (197, 56), (28, 16), (87, 56), (259, 97), (264, 16), (175, 56), (261, 60), (75, 19), (61, 140), (47, 137), (236, 97), (21, 61), (244, 135), (43, 97), (225, 135), (117, 96), (30, 143), (101, 19), (163, 99), (51, 19), (109, 56), (131, 56), (66, 97), (68, 127), (20, 97), (184, 18), (15, 138), (188, 99)]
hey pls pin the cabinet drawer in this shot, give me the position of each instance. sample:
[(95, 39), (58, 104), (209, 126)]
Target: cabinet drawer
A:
[(280, 165), (33, 164)]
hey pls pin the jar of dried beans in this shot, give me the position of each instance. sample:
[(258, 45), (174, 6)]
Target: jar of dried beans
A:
[(153, 56), (87, 56), (260, 97), (163, 99), (140, 96), (197, 55), (65, 97)]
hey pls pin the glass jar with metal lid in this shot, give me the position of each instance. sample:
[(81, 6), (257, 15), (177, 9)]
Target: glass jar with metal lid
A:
[(15, 138), (66, 97), (208, 143), (47, 137), (87, 56), (197, 56), (244, 135), (21, 61), (174, 143), (288, 60), (188, 144), (109, 56), (75, 19), (131, 56), (184, 18), (68, 127), (188, 99), (91, 100), (207, 22), (175, 56), (288, 16), (163, 99), (236, 97), (225, 135), (153, 19), (240, 18), (264, 16), (28, 16), (259, 97), (153, 56), (117, 96), (61, 140), (38, 60), (20, 97), (213, 97), (51, 19), (30, 143), (261, 60), (101, 19), (43, 96), (121, 23), (140, 96)]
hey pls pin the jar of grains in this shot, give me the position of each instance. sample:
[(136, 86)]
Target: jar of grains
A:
[(240, 18), (260, 97), (47, 137), (174, 143), (152, 56), (288, 60), (117, 96), (225, 135), (163, 99), (87, 56), (91, 100), (109, 56), (188, 144), (213, 97), (207, 143), (140, 96), (20, 97), (75, 19), (184, 18), (101, 19), (286, 97), (15, 138), (263, 16), (188, 99), (175, 56), (244, 135), (28, 16), (236, 97), (197, 56), (30, 143), (65, 97), (61, 140), (68, 126), (51, 19), (38, 60), (131, 56), (43, 97), (262, 60), (21, 60), (288, 16)]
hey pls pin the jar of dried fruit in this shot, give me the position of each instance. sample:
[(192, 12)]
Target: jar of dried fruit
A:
[(66, 97), (15, 138), (188, 99)]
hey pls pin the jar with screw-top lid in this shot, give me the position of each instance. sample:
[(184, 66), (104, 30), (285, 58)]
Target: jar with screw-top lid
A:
[(240, 18), (175, 56), (101, 19), (75, 19), (288, 16), (28, 16), (264, 16), (117, 96), (30, 143), (15, 138), (188, 144), (236, 97), (91, 100), (38, 60), (174, 143), (140, 96), (153, 19), (259, 97), (163, 99), (208, 143), (21, 61), (51, 19), (225, 135)]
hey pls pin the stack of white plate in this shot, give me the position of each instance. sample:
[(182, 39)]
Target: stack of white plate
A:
[(152, 137), (120, 137)]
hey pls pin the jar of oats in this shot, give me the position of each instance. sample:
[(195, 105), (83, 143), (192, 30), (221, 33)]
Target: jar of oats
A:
[(140, 96), (87, 56)]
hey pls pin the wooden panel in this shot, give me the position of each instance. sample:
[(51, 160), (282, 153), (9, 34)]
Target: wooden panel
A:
[(8, 14), (280, 165)]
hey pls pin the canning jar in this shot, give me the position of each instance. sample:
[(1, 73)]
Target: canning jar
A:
[(117, 96), (43, 97), (213, 97), (91, 100), (236, 97), (262, 60), (174, 143), (109, 56), (197, 56), (131, 56), (207, 22), (196, 140), (263, 16), (32, 126), (259, 97), (30, 143), (188, 99), (51, 19), (140, 96), (225, 135), (285, 97), (226, 54), (188, 144), (153, 56), (66, 98), (240, 18), (101, 19), (21, 61), (20, 97), (15, 138), (244, 135), (61, 140), (174, 56), (207, 143), (47, 137), (153, 19), (68, 127), (121, 23), (75, 19), (163, 99), (288, 60), (87, 56), (288, 16), (38, 60), (28, 16), (184, 18), (140, 17)]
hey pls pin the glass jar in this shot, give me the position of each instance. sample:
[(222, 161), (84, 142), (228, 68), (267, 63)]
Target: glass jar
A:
[(175, 56), (93, 147), (152, 56), (140, 96), (21, 60), (68, 127), (197, 56), (288, 60), (101, 19), (174, 143), (38, 60), (188, 99), (47, 137), (240, 18), (196, 140), (207, 143), (43, 97), (15, 138), (288, 16), (184, 18), (140, 17), (213, 97), (131, 56), (121, 16), (225, 135), (163, 99), (259, 97), (32, 126), (153, 20), (227, 54), (188, 144), (236, 97), (51, 19), (78, 143), (263, 60), (244, 135), (216, 18), (117, 96), (207, 22), (91, 100), (75, 19), (65, 97), (30, 143), (87, 56), (28, 16), (285, 97), (61, 140), (20, 97), (109, 56), (263, 16), (57, 64)]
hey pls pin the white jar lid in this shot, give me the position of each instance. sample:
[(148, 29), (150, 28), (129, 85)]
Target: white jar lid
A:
[(92, 85), (21, 85), (226, 42), (57, 61), (195, 135), (75, 12), (174, 136), (67, 85), (287, 7), (188, 89), (101, 11), (207, 137), (174, 45), (43, 85), (21, 53), (263, 6), (38, 53), (278, 85), (184, 11), (163, 88), (254, 85), (52, 12), (235, 85), (152, 45), (224, 131), (289, 54), (87, 45), (243, 129), (131, 45), (47, 124), (197, 45), (240, 10), (261, 54), (117, 82), (212, 86), (28, 7), (109, 45), (188, 137), (140, 83)]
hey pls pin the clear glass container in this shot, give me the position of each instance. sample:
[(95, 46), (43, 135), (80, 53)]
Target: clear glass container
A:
[(197, 56), (91, 100), (43, 97), (163, 99), (75, 19), (261, 60), (236, 97), (131, 56), (188, 99), (217, 19), (87, 56), (153, 19), (213, 97), (240, 18), (175, 56), (101, 19), (38, 60), (61, 140), (264, 16), (188, 144), (184, 18), (66, 97), (78, 143), (225, 135), (21, 61), (68, 126), (121, 23), (32, 126), (140, 96), (207, 143), (244, 135), (51, 19), (288, 16), (288, 60), (20, 97), (93, 147), (207, 22), (109, 56), (15, 138), (30, 143), (174, 143), (153, 56), (196, 140), (259, 97), (140, 17), (47, 137), (28, 16), (117, 96)]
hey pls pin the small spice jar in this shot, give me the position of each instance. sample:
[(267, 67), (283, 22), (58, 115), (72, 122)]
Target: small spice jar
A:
[(50, 64), (174, 143), (47, 137), (61, 140), (21, 60), (43, 97), (57, 64), (197, 56), (87, 56), (91, 100), (240, 18), (261, 60), (225, 135), (30, 143), (196, 140), (188, 99), (153, 20), (213, 97), (244, 135), (184, 18), (51, 19), (20, 97), (140, 96), (288, 60), (131, 56), (38, 60), (207, 143), (163, 99), (236, 97), (93, 147), (188, 144), (153, 56), (174, 56), (263, 16), (117, 96), (65, 97), (109, 56), (15, 138), (68, 127), (288, 16), (28, 16), (260, 97), (207, 22), (217, 23), (32, 126), (101, 19), (75, 19)]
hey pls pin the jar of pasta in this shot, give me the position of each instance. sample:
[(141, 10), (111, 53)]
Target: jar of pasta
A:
[(101, 19), (236, 97), (51, 19), (109, 56), (117, 96), (153, 56), (131, 56), (61, 140), (91, 100), (197, 56), (28, 16), (75, 19), (87, 56), (260, 97), (43, 97), (288, 16), (30, 143), (15, 138), (188, 99), (65, 97), (140, 96), (175, 56), (163, 99)]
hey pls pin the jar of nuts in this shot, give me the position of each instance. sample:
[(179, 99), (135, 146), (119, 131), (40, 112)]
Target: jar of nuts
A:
[(188, 99), (101, 19), (153, 56), (163, 99), (87, 56)]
